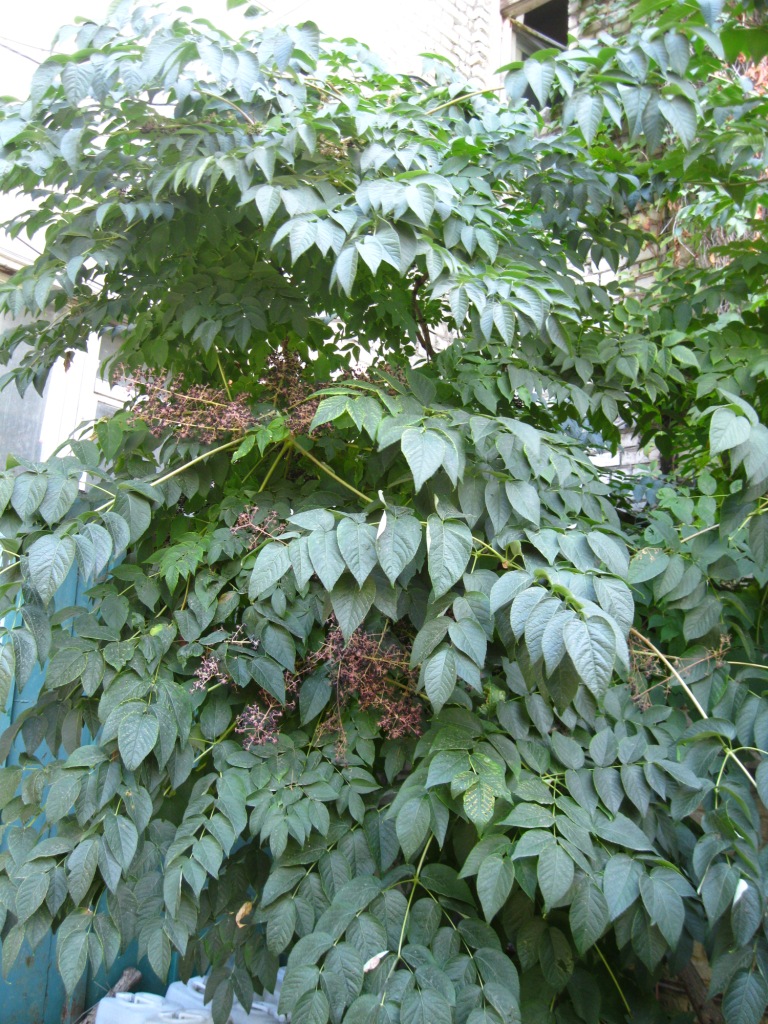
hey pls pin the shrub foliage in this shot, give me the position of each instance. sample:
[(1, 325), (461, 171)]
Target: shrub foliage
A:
[(378, 671)]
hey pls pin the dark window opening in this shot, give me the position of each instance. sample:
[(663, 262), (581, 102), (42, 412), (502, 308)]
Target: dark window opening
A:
[(550, 20)]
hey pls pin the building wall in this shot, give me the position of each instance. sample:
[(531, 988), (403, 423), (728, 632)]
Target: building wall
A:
[(469, 32)]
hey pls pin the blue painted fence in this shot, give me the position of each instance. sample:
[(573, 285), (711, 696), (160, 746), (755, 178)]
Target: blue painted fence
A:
[(33, 992)]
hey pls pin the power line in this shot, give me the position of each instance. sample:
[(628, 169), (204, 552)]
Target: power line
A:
[(29, 46), (18, 53)]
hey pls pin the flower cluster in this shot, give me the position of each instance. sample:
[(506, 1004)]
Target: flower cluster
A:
[(259, 723), (257, 530), (286, 382), (195, 412), (374, 673), (209, 669)]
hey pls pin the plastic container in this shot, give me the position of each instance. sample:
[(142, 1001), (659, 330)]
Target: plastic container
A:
[(180, 1016), (191, 995), (128, 1008)]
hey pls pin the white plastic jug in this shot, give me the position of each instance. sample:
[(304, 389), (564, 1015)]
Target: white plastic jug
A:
[(128, 1008), (189, 995), (181, 1017)]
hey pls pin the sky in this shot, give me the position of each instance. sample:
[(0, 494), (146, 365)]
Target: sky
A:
[(27, 27)]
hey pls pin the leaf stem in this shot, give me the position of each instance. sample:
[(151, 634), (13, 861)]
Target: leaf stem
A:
[(179, 469), (329, 472), (273, 467), (406, 915), (223, 378), (614, 979), (691, 696), (229, 103), (465, 96), (707, 529)]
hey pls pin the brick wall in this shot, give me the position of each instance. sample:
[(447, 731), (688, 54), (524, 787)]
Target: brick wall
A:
[(588, 17)]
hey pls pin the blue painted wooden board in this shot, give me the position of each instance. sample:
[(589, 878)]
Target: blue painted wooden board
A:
[(33, 992)]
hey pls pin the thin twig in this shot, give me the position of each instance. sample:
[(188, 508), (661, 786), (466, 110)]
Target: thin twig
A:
[(464, 96), (329, 472), (691, 695), (179, 469)]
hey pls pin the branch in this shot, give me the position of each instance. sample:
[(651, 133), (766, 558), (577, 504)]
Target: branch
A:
[(422, 329), (691, 696)]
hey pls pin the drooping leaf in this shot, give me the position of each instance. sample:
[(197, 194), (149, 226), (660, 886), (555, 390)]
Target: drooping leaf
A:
[(50, 559), (449, 544)]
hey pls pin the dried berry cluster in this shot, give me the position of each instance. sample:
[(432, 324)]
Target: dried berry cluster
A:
[(376, 675), (209, 669), (286, 383), (256, 529), (196, 412), (260, 722)]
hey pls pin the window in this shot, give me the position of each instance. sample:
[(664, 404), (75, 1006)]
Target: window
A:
[(536, 25)]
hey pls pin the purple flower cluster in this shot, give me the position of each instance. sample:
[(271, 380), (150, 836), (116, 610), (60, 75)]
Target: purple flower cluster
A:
[(194, 412)]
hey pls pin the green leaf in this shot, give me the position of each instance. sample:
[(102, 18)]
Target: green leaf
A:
[(726, 430), (449, 545), (589, 114), (440, 677), (122, 838), (746, 998), (424, 451), (28, 492), (325, 556), (621, 878), (311, 1008), (541, 77), (589, 915), (494, 884), (664, 906), (681, 115), (50, 559), (425, 1006), (281, 923), (72, 950), (136, 511), (524, 499), (272, 563), (397, 541), (351, 603), (357, 544), (137, 735), (30, 895), (554, 873), (25, 653), (298, 980), (718, 889), (621, 831), (647, 564), (427, 639), (469, 637), (703, 618), (94, 548), (314, 694), (59, 498), (118, 531), (507, 587), (412, 825), (591, 645), (479, 802), (344, 962)]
